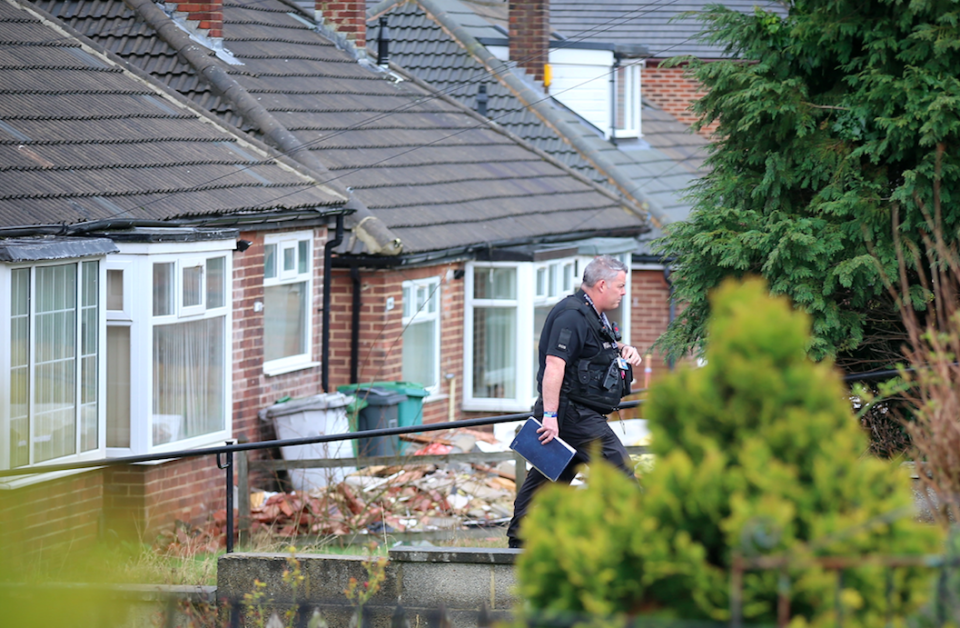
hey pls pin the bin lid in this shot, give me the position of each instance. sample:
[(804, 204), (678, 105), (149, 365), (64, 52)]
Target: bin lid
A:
[(410, 389), (374, 395), (325, 401)]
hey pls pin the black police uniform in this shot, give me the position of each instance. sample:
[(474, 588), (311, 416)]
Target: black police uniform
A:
[(593, 384)]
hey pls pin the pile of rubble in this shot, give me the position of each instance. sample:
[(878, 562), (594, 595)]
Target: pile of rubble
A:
[(404, 498)]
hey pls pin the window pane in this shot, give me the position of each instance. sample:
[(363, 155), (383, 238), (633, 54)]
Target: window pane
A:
[(55, 370), (19, 363), (289, 258), (284, 321), (163, 289), (420, 353), (188, 379), (495, 283), (433, 297), (270, 261), (216, 293), (192, 285), (89, 342), (552, 280), (302, 257), (118, 386), (494, 352), (408, 308), (567, 278), (115, 290), (541, 282)]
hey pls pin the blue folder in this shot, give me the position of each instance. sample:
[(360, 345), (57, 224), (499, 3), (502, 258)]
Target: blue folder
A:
[(550, 459)]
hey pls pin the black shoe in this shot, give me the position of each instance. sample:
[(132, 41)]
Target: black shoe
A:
[(514, 543)]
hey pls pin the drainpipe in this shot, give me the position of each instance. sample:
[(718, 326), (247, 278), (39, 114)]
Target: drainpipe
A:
[(613, 100), (355, 327), (325, 332), (673, 306)]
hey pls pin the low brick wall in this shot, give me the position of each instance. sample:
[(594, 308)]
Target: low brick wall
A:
[(420, 580)]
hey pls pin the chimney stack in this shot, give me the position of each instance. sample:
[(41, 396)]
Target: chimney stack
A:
[(347, 17), (206, 16), (529, 35)]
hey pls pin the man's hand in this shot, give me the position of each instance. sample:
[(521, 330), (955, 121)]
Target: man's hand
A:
[(549, 430), (631, 355)]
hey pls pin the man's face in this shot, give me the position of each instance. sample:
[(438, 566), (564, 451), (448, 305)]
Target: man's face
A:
[(613, 291)]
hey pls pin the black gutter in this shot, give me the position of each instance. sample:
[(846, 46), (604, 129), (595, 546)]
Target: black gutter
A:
[(325, 334), (355, 326), (468, 251)]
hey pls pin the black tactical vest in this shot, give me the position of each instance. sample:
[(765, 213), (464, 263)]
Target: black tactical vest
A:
[(595, 381)]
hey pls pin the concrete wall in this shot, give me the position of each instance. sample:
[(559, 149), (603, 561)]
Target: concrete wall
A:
[(462, 581)]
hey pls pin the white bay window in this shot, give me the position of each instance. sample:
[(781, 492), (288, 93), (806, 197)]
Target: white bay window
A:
[(168, 346), (52, 347)]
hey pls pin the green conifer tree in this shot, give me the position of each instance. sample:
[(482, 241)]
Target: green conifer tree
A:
[(756, 453), (829, 117)]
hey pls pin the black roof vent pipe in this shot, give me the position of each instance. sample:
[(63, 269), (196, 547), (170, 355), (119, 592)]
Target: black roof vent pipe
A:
[(383, 44), (482, 99)]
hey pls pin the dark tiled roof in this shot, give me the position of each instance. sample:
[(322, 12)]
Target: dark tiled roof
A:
[(665, 29), (420, 46), (661, 167), (427, 168), (82, 140)]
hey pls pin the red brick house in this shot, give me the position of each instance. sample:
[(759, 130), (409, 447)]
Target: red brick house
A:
[(126, 285), (456, 235)]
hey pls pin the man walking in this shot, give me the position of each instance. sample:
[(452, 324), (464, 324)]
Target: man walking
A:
[(584, 372)]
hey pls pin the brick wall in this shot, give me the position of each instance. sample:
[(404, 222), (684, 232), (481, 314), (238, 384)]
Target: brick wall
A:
[(649, 315), (347, 17), (254, 390), (674, 92), (50, 517), (529, 33), (141, 501), (381, 342), (205, 16)]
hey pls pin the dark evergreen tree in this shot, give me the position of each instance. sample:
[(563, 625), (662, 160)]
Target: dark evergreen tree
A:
[(829, 118)]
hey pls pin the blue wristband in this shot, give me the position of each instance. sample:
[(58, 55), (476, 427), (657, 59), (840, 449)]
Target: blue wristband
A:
[(552, 415)]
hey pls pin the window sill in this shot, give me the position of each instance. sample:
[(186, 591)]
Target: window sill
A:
[(436, 397), (13, 483), (508, 406), (280, 369)]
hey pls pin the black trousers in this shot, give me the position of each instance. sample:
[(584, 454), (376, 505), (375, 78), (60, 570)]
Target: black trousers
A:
[(583, 429)]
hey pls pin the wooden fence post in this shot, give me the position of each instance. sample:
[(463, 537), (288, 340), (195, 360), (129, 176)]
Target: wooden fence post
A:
[(243, 496)]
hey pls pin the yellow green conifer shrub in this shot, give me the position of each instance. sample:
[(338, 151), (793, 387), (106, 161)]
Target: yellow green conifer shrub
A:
[(757, 453)]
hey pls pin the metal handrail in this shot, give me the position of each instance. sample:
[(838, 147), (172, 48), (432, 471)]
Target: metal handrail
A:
[(227, 451)]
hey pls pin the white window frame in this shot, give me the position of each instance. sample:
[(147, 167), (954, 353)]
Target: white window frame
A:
[(95, 453), (529, 297), (414, 316), (631, 98), (137, 261), (284, 241), (526, 285)]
